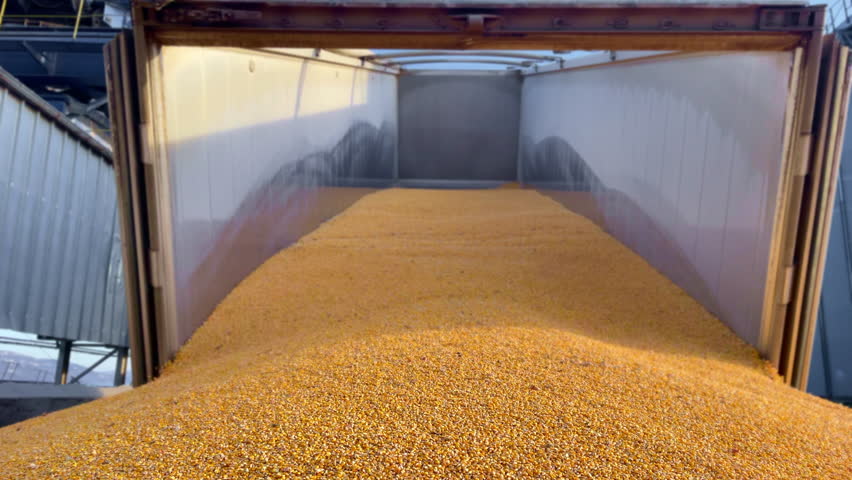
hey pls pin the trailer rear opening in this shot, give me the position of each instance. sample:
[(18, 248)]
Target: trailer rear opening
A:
[(480, 333), (427, 333)]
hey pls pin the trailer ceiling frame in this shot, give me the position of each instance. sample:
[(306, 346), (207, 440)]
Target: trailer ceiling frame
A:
[(142, 166), (254, 24)]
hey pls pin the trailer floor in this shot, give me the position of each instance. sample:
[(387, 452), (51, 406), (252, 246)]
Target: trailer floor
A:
[(478, 334)]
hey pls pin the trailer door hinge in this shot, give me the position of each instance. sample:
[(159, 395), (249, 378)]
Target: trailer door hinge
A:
[(804, 155), (787, 292), (155, 268)]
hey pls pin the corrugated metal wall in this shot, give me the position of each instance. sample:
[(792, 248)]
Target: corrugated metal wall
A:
[(261, 148), (459, 126), (679, 158), (61, 265), (831, 362)]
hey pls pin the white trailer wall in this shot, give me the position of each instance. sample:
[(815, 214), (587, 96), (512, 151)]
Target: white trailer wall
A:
[(262, 146), (678, 157)]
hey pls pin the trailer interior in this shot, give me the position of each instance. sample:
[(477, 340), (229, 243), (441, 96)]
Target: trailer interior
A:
[(199, 87), (423, 240)]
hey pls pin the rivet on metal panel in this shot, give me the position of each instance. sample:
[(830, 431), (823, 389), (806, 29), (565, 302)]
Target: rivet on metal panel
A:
[(723, 25), (559, 22), (172, 16), (619, 23), (196, 15), (439, 21), (668, 24), (209, 15)]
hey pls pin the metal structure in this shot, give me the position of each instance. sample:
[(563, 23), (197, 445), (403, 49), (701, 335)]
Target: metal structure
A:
[(427, 61), (838, 14), (482, 57), (453, 53), (64, 349), (59, 178), (67, 72), (62, 276)]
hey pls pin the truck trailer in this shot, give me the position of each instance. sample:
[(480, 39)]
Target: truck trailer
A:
[(606, 266)]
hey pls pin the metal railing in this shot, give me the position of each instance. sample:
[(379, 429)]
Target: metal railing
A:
[(837, 14)]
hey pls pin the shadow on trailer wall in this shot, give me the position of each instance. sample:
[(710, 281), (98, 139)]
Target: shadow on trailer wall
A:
[(215, 142), (683, 164)]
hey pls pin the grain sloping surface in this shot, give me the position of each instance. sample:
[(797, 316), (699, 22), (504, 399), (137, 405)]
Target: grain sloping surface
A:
[(472, 334)]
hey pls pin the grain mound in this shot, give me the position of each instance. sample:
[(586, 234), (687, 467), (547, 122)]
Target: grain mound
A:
[(476, 334)]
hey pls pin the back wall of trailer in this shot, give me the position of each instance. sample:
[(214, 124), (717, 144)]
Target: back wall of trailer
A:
[(460, 127)]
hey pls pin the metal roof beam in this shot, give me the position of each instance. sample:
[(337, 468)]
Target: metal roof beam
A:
[(457, 53), (517, 63)]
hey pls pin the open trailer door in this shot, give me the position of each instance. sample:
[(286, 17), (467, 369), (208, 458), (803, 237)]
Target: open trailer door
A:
[(815, 221), (136, 222), (143, 157)]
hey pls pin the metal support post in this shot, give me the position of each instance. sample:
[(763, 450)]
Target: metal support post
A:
[(93, 366), (79, 16), (63, 361), (120, 367), (2, 11)]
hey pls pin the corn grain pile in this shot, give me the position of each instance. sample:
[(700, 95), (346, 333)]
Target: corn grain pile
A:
[(467, 334)]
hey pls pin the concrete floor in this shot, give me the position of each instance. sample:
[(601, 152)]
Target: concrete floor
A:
[(20, 401)]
